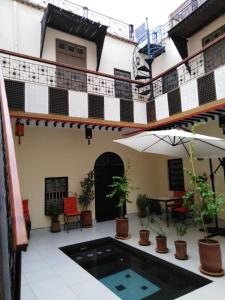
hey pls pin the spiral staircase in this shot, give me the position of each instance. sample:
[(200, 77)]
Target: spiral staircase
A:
[(149, 46)]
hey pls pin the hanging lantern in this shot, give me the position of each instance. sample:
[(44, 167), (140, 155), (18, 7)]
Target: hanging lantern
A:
[(88, 134), (19, 131)]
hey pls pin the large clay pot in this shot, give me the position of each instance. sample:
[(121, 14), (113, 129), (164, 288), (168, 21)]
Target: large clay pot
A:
[(122, 228), (181, 250), (86, 218), (144, 237), (210, 257), (161, 244)]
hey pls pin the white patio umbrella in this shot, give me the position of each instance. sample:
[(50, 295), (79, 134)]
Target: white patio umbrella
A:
[(175, 142)]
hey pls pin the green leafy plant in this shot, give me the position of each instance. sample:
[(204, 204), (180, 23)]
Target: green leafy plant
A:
[(207, 203), (142, 201), (121, 188), (54, 212), (157, 227), (181, 230), (87, 188)]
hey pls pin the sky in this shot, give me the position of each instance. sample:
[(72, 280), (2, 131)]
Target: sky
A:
[(134, 12)]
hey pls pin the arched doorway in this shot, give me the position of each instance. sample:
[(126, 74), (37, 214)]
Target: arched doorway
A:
[(107, 165)]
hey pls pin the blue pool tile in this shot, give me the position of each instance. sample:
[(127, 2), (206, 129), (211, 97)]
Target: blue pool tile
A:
[(133, 287)]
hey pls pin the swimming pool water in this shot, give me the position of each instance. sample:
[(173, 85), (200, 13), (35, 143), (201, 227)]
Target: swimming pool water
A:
[(133, 274), (128, 285)]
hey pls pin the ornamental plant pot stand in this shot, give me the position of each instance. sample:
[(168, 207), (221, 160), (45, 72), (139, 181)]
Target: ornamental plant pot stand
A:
[(181, 250), (161, 244), (122, 229), (144, 237), (210, 257)]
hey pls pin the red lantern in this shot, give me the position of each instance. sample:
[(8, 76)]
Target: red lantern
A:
[(19, 130)]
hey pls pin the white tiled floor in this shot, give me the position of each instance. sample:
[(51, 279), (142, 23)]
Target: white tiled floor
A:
[(48, 274)]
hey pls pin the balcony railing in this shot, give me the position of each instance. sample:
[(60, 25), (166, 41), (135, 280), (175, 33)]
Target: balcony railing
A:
[(184, 10), (115, 26), (13, 238), (197, 65), (25, 68)]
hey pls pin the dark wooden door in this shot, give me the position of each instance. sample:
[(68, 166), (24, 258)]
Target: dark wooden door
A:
[(106, 166)]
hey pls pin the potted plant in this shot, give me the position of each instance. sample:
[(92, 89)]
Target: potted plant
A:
[(121, 189), (161, 240), (85, 199), (207, 204), (54, 212), (142, 203), (180, 244), (145, 232)]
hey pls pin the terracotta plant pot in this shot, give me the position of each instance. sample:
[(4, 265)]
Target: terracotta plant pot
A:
[(161, 244), (86, 218), (55, 226), (181, 250), (210, 257), (144, 237), (122, 228)]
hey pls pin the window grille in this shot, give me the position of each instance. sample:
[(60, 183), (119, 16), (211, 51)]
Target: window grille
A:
[(206, 89), (174, 102), (15, 92), (58, 101), (95, 106), (176, 175), (126, 111)]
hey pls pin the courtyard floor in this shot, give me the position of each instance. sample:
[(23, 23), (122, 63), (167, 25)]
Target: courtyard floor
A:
[(47, 273)]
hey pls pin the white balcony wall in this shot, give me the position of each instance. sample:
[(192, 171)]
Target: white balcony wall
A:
[(36, 98), (219, 75), (167, 59), (112, 109), (116, 54), (140, 115), (195, 41), (49, 51), (78, 104), (189, 95), (161, 107)]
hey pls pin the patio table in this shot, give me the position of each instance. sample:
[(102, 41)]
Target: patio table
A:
[(165, 200)]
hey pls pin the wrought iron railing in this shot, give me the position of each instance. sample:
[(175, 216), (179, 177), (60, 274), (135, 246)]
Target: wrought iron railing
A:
[(13, 237), (115, 26), (39, 71), (183, 11), (201, 63)]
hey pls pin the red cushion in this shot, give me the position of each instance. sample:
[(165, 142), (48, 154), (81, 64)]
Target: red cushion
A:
[(72, 213), (181, 209)]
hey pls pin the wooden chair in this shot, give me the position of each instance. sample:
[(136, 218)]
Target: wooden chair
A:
[(26, 215), (71, 212)]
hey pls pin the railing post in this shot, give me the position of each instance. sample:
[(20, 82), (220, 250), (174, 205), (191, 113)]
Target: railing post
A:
[(18, 260), (131, 32)]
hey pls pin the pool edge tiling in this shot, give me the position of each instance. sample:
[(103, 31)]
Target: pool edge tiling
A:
[(109, 258)]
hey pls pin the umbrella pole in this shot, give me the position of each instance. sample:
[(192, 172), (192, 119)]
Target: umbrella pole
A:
[(213, 231)]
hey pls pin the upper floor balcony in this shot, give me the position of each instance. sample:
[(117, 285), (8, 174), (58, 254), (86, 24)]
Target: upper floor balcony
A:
[(114, 26), (39, 89), (191, 17)]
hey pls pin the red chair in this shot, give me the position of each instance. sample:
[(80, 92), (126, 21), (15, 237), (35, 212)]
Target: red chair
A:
[(182, 212), (26, 215), (71, 212), (177, 202)]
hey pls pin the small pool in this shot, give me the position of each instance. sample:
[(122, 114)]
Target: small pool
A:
[(131, 273)]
